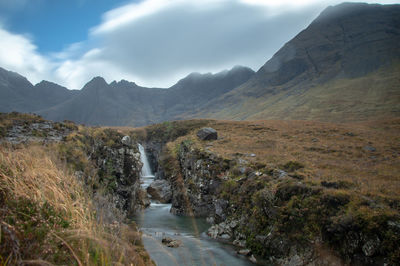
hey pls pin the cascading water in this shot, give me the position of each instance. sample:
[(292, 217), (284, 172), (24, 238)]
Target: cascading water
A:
[(157, 222), (146, 174)]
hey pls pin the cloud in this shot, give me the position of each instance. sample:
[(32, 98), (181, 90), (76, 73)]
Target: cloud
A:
[(20, 54), (157, 42)]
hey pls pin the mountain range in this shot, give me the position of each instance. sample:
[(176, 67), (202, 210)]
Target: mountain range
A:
[(345, 66)]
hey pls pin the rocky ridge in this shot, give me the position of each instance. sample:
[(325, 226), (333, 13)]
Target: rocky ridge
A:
[(104, 159)]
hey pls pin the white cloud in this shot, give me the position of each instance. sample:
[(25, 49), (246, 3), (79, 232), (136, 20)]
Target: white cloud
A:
[(20, 54), (156, 42)]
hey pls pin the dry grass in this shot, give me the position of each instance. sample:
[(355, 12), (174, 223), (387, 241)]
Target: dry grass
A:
[(47, 216), (329, 152)]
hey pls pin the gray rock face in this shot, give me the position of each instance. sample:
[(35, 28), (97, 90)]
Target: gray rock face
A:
[(207, 133), (160, 190), (200, 175), (224, 230), (122, 164)]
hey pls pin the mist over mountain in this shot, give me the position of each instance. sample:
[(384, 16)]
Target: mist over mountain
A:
[(344, 66)]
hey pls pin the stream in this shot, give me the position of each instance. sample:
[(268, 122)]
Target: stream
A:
[(197, 248)]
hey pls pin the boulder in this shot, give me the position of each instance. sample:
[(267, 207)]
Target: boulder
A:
[(207, 133), (245, 252), (253, 259), (172, 243), (160, 190), (126, 140)]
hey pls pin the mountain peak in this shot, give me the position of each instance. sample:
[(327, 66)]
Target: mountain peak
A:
[(99, 80), (96, 83)]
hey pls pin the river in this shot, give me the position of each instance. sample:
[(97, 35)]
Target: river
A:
[(197, 248)]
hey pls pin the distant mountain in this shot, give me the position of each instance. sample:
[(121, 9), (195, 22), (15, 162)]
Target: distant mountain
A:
[(18, 94), (125, 103), (344, 67)]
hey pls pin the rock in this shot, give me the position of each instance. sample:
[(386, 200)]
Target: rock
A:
[(213, 231), (279, 173), (220, 207), (160, 190), (394, 225), (370, 148), (253, 259), (370, 247), (210, 220), (295, 261), (224, 236), (245, 252), (171, 243), (207, 133), (239, 243), (261, 238), (126, 140)]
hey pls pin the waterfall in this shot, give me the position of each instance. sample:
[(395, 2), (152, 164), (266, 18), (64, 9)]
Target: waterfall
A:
[(146, 174)]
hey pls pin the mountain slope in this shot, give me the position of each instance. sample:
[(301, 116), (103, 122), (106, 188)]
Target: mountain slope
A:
[(345, 66), (18, 94), (125, 103)]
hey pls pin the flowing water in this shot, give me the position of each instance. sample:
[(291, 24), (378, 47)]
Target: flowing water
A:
[(197, 248)]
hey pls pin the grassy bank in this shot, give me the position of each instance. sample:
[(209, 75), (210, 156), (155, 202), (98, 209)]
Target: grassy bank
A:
[(50, 214)]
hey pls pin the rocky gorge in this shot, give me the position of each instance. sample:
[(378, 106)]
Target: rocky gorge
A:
[(273, 214)]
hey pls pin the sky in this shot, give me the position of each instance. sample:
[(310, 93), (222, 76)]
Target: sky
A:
[(151, 42)]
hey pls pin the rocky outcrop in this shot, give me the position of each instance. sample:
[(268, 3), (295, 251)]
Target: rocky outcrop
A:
[(280, 217), (171, 243), (202, 176), (38, 130), (119, 171), (207, 133), (160, 190)]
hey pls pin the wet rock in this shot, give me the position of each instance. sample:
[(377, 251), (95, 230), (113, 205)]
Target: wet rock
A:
[(172, 243), (225, 237), (253, 259), (160, 190), (207, 133), (245, 252), (239, 243)]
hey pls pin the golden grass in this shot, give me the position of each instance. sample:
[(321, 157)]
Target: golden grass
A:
[(329, 151), (33, 175)]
